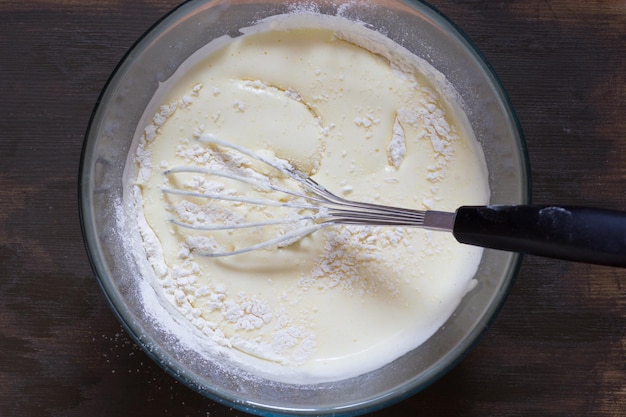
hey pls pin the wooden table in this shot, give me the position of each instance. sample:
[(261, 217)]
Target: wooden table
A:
[(557, 348)]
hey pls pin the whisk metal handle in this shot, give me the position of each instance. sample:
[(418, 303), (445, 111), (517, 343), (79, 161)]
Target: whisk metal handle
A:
[(579, 234)]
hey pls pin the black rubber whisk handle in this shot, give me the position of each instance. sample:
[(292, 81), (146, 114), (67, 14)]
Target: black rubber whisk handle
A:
[(581, 234)]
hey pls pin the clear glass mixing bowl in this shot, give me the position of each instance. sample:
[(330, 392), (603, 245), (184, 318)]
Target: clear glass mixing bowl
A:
[(412, 24)]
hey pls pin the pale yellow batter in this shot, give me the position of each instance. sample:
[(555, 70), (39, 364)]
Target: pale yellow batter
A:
[(373, 127)]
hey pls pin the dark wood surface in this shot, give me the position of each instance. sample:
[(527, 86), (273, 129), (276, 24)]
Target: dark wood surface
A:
[(557, 348)]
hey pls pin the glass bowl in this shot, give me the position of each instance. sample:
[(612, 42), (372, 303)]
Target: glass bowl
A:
[(412, 24)]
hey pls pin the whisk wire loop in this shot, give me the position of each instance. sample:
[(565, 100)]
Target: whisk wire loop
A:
[(325, 207)]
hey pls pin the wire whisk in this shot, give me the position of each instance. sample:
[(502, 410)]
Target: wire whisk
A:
[(574, 233)]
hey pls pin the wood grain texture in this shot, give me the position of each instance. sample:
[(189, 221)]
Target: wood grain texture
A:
[(558, 347)]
